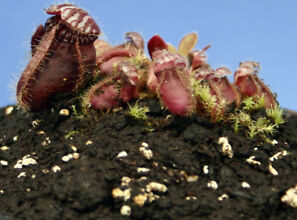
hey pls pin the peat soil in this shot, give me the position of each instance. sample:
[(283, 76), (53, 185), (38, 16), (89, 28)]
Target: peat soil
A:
[(110, 166)]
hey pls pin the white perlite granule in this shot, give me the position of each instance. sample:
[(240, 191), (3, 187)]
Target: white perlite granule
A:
[(121, 194), (4, 148), (154, 186), (126, 210), (251, 160), (68, 157), (245, 185), (144, 144), (212, 184), (147, 153), (125, 181), (22, 174), (88, 142), (122, 154), (272, 170), (223, 197), (226, 147), (25, 161), (290, 197), (8, 110), (192, 178), (143, 170), (278, 155), (64, 112), (205, 169), (3, 163), (56, 168), (140, 199)]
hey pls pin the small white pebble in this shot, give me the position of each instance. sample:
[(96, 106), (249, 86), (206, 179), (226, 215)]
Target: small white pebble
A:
[(205, 169), (143, 170), (29, 161), (278, 155), (251, 160), (122, 194), (245, 185), (147, 153), (166, 180), (56, 168), (212, 184), (125, 181), (45, 171), (255, 148), (8, 110), (126, 210), (15, 138), (25, 161), (28, 190), (3, 163), (67, 157), (33, 176), (226, 147), (191, 198), (73, 148), (64, 112), (193, 178), (290, 197), (152, 197), (122, 154), (46, 141), (140, 199), (154, 186), (144, 144), (4, 148), (223, 197), (41, 133), (75, 156), (2, 191), (272, 170), (35, 123), (142, 178), (88, 142), (274, 142), (22, 174)]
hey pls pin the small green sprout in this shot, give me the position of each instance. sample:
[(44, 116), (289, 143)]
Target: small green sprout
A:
[(138, 112), (71, 133), (213, 106), (260, 102), (248, 103), (202, 91), (74, 110), (78, 111), (253, 103), (260, 126), (276, 113), (264, 125)]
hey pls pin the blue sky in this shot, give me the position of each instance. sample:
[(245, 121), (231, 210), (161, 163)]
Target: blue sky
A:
[(261, 30)]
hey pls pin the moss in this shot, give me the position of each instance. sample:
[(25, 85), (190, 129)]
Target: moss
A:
[(137, 111), (264, 124)]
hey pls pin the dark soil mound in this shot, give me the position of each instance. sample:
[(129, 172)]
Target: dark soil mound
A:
[(106, 166)]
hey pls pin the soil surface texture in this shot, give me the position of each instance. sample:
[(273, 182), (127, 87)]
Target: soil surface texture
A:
[(57, 164)]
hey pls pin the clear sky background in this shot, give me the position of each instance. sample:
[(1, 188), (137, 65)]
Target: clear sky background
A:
[(239, 30)]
